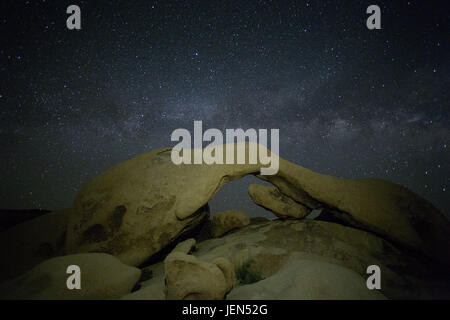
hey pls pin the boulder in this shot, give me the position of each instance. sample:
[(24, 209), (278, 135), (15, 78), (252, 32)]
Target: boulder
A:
[(266, 247), (26, 244), (383, 208), (226, 221), (305, 279), (228, 271), (153, 288), (185, 246), (189, 278), (205, 231), (102, 277), (256, 220), (269, 197), (139, 206)]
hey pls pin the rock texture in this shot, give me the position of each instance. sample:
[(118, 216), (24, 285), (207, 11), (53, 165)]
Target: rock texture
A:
[(282, 206), (226, 221), (294, 249), (185, 246), (141, 207), (153, 288), (188, 278), (228, 271), (306, 279), (268, 246), (138, 207), (102, 277), (25, 245), (383, 208)]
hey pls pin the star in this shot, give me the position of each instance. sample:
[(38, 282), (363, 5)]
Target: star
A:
[(342, 96)]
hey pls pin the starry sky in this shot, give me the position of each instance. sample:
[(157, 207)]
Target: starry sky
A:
[(348, 101)]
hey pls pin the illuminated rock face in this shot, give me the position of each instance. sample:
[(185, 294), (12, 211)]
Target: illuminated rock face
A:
[(388, 210), (226, 221), (189, 278), (138, 207)]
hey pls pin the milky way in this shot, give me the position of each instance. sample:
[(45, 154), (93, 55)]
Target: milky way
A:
[(348, 101)]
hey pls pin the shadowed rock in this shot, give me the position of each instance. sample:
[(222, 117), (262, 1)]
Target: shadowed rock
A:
[(10, 218), (25, 245), (270, 198), (102, 277)]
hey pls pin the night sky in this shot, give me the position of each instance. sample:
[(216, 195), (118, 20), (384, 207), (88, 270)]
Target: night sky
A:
[(348, 101)]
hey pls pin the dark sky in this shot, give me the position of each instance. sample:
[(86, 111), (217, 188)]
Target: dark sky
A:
[(348, 101)]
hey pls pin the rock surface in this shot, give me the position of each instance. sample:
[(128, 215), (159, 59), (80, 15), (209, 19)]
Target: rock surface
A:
[(25, 245), (228, 271), (268, 246), (189, 278), (185, 246), (142, 206), (272, 247), (306, 279), (383, 208), (102, 277), (226, 221), (139, 206), (282, 206), (153, 288)]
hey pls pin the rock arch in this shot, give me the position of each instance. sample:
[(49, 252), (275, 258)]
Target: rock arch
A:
[(164, 200)]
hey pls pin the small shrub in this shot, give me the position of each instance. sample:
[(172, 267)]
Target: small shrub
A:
[(246, 274)]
